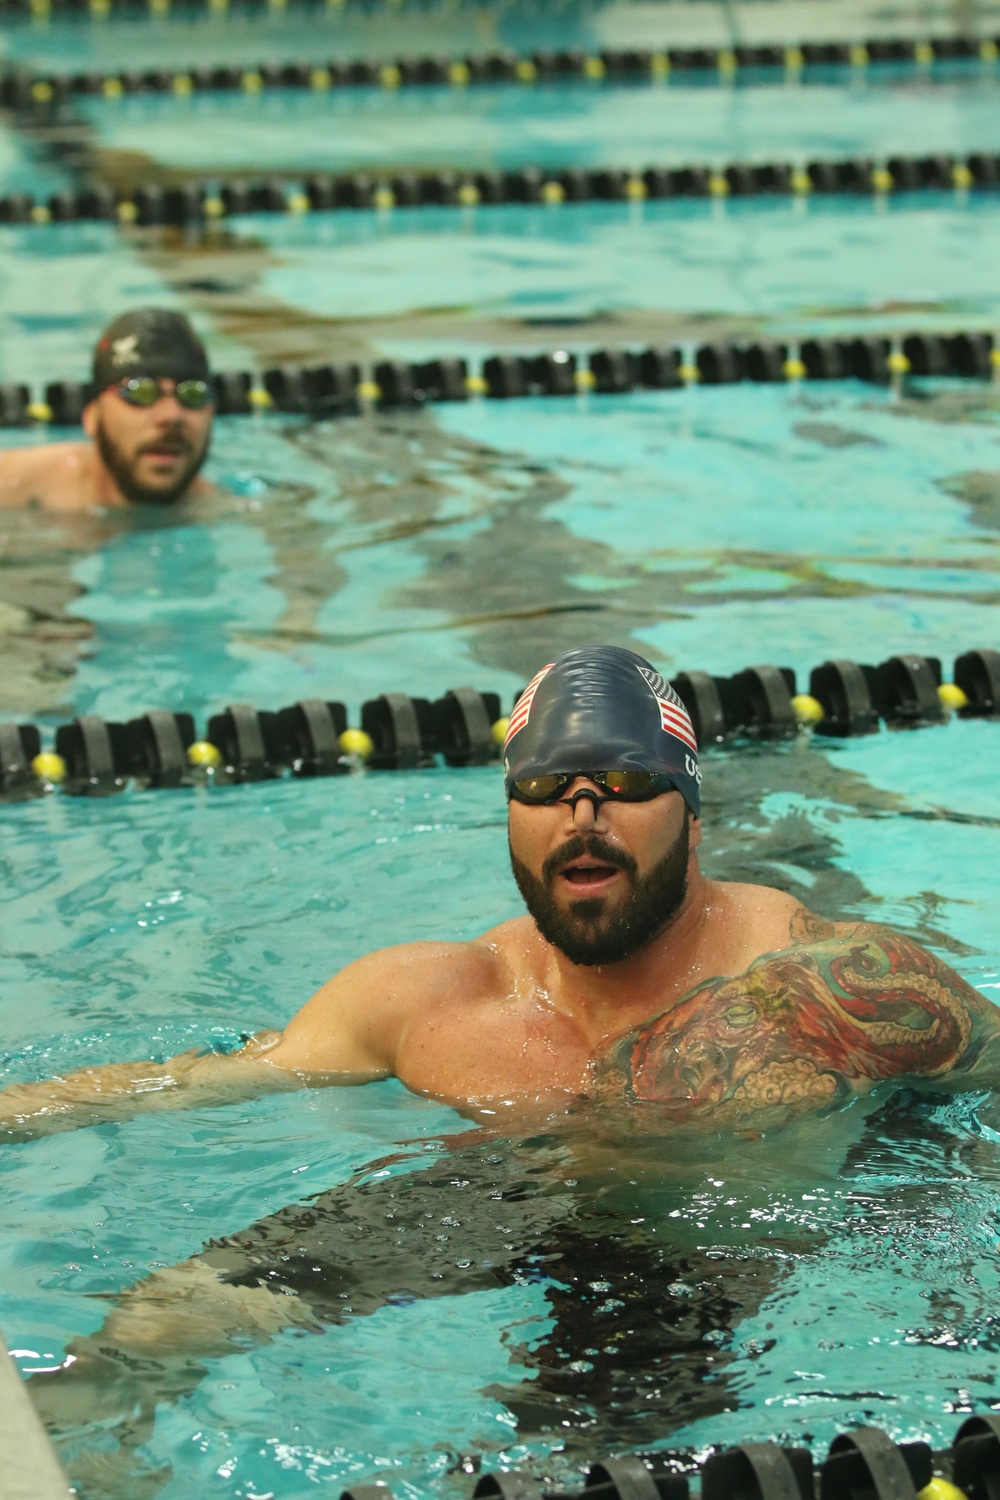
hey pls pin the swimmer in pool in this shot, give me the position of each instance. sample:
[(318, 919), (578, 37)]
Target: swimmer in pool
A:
[(148, 425), (634, 978)]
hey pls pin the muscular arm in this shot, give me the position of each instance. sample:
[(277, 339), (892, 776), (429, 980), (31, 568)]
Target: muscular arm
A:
[(842, 1008), (347, 1033), (919, 1016)]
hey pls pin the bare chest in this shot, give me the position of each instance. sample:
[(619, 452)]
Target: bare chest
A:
[(788, 1031), (501, 1052)]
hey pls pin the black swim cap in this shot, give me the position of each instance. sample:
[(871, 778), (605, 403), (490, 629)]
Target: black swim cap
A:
[(602, 708), (149, 341)]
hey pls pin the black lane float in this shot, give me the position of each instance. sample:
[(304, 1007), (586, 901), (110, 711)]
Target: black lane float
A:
[(94, 757), (345, 389), (864, 1463), (191, 203), (40, 91)]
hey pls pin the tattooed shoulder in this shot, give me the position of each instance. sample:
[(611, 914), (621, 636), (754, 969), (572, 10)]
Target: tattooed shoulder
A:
[(808, 1025), (807, 927)]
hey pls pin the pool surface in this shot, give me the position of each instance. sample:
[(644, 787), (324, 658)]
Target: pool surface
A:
[(521, 1290), (553, 125)]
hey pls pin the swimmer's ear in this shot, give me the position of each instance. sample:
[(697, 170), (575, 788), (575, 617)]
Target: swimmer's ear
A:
[(88, 418), (694, 830)]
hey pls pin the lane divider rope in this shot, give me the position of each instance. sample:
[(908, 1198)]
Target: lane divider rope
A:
[(24, 90), (863, 1460), (192, 203), (345, 389), (94, 757)]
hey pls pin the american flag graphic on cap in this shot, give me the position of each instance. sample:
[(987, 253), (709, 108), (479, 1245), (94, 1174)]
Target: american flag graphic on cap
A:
[(522, 707), (673, 715)]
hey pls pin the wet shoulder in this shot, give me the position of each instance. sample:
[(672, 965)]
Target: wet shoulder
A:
[(834, 1009), (421, 970), (49, 476)]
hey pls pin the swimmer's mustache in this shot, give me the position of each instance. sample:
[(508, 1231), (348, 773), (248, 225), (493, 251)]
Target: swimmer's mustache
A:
[(596, 847), (170, 442)]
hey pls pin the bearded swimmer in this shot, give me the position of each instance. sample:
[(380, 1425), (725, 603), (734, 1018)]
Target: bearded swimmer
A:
[(149, 425), (634, 978)]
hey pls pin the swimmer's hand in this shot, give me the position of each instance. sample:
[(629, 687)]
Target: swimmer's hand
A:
[(119, 1090), (348, 1033)]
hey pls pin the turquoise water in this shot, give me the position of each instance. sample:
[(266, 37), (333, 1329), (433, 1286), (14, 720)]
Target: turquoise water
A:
[(633, 1288), (697, 521), (462, 281), (714, 527), (555, 125), (417, 283), (780, 268), (68, 44), (22, 172)]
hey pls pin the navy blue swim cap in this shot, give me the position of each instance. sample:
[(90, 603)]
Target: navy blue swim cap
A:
[(602, 708)]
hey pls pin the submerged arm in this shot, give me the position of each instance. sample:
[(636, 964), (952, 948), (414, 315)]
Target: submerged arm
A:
[(346, 1034), (117, 1091)]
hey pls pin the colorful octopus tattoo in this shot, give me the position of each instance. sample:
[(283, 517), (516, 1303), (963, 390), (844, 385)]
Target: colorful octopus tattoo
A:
[(803, 1026)]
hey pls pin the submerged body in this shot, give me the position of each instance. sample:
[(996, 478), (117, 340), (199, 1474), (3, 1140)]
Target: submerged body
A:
[(634, 1258), (640, 1311)]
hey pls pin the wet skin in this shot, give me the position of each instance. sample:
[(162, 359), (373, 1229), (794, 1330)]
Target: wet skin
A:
[(744, 1010), (743, 1003), (157, 444)]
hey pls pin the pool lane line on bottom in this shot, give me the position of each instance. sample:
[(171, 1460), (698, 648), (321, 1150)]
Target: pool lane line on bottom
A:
[(344, 389), (93, 757), (29, 1469)]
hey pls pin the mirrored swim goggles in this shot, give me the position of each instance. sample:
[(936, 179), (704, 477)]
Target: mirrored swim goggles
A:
[(146, 390), (618, 786)]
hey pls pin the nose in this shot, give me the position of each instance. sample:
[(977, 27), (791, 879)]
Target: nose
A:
[(585, 803), (169, 410), (584, 814)]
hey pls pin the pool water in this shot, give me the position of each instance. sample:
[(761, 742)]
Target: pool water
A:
[(555, 125), (417, 284), (519, 1291)]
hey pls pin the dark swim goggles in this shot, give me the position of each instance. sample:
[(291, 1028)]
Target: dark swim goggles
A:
[(146, 390), (621, 786)]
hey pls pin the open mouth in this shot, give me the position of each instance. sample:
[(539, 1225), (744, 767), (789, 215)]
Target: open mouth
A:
[(166, 448), (164, 455), (587, 873)]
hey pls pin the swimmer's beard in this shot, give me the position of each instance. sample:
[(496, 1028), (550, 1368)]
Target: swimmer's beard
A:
[(579, 931), (120, 469)]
